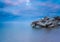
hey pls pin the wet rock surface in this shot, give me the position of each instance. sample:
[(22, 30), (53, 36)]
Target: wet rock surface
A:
[(47, 22)]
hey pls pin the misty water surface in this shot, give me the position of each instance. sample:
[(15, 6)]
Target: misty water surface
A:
[(22, 32)]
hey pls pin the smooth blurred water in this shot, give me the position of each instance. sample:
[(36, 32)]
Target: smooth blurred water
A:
[(22, 32)]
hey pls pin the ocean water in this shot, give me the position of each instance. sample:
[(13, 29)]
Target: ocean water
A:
[(14, 31)]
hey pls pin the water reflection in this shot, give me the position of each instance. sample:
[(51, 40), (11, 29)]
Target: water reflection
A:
[(22, 32)]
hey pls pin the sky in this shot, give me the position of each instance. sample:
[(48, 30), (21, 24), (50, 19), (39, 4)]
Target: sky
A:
[(28, 9)]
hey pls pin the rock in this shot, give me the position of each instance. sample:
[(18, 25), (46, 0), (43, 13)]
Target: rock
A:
[(47, 22)]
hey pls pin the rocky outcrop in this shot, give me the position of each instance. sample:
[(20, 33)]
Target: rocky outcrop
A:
[(47, 22)]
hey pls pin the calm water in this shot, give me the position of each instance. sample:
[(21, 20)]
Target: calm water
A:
[(22, 32)]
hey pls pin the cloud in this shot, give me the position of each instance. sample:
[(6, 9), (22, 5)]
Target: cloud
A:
[(2, 5), (35, 9), (15, 2)]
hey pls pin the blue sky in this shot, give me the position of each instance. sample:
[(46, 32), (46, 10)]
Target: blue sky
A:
[(28, 9)]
